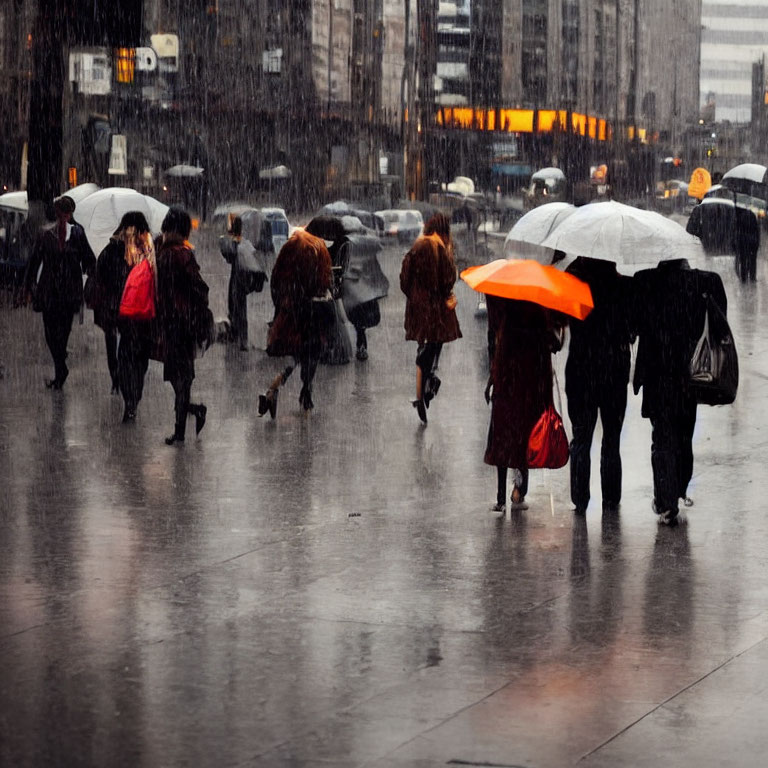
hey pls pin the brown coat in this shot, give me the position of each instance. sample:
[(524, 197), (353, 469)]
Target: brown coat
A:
[(427, 278), (302, 271), (521, 373)]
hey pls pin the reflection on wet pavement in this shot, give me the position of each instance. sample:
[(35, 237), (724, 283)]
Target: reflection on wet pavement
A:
[(332, 589)]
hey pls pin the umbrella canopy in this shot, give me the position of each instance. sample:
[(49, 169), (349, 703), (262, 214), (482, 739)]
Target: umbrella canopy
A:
[(623, 234), (184, 171), (531, 281), (100, 213), (14, 201), (276, 172), (525, 238), (548, 173), (80, 192), (747, 171)]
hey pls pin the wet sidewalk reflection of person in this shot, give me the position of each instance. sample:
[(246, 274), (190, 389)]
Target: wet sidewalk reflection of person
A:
[(521, 339), (427, 277), (301, 283), (597, 377), (185, 320), (60, 257)]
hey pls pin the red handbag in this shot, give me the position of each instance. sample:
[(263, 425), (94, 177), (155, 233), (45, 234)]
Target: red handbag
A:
[(548, 443), (138, 302)]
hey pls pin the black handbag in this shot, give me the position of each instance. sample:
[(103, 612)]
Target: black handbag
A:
[(714, 367)]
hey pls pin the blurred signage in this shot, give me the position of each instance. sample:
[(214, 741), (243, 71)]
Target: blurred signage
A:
[(72, 176), (125, 61), (118, 156), (167, 49), (90, 73), (701, 181), (146, 60), (272, 61)]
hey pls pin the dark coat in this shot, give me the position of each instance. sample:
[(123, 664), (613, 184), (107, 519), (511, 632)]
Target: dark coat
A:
[(182, 307), (427, 277), (599, 349), (746, 232), (672, 303), (521, 373), (111, 274), (60, 287), (302, 271)]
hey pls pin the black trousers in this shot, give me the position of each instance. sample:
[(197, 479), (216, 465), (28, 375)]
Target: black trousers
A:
[(672, 452), (237, 307), (58, 325), (110, 341), (183, 407), (746, 265), (583, 408), (133, 360)]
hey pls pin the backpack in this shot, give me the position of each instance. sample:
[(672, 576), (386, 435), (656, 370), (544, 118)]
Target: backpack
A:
[(138, 302)]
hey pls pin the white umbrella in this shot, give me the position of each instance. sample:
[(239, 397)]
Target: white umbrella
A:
[(100, 213), (748, 171), (548, 173), (80, 192), (15, 201), (623, 234), (276, 172), (525, 238), (184, 171)]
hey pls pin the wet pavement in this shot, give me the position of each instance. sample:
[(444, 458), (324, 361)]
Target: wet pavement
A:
[(333, 590)]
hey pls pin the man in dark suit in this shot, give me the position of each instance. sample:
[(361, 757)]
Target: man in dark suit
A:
[(672, 300), (746, 243), (596, 378)]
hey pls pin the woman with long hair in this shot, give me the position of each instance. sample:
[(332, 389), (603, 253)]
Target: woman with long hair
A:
[(133, 241), (427, 277)]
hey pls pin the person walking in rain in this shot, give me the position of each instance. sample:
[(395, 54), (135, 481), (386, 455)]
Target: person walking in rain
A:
[(185, 320), (231, 246), (521, 339), (746, 243), (301, 284), (54, 282), (362, 283), (337, 349), (127, 248), (427, 277), (597, 376), (672, 301)]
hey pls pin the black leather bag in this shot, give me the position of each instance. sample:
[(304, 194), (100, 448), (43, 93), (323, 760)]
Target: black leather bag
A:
[(714, 367)]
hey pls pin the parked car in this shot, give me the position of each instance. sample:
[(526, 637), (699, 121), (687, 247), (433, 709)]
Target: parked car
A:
[(405, 225), (671, 196), (547, 186)]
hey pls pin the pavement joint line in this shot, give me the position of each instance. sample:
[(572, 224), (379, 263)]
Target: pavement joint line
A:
[(448, 719), (673, 696)]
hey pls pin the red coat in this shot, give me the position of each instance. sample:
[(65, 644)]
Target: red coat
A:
[(302, 271), (521, 373), (427, 278)]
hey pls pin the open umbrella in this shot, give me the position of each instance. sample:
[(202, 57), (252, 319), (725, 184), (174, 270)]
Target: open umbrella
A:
[(80, 192), (525, 238), (14, 201), (530, 281), (100, 213), (184, 171), (624, 234)]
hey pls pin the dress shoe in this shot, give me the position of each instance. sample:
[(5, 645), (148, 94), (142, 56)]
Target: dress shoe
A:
[(305, 399), (362, 354), (174, 438), (129, 415), (200, 415), (54, 384)]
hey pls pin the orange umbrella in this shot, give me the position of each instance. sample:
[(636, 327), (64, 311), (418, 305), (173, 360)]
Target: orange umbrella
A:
[(530, 281)]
